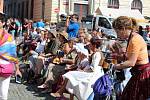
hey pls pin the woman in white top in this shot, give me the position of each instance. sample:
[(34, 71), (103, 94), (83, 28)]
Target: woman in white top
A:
[(80, 82)]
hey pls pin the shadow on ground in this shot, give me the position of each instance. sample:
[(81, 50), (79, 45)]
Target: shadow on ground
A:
[(37, 92), (31, 88)]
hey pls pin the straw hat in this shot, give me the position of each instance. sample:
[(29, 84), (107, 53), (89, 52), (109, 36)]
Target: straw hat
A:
[(64, 34), (53, 32)]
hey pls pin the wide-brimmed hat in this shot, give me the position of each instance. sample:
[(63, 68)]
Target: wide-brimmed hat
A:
[(80, 48), (64, 34), (41, 28), (47, 28), (53, 32)]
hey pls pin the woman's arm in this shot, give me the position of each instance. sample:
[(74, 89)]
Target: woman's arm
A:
[(135, 46), (128, 63), (17, 70)]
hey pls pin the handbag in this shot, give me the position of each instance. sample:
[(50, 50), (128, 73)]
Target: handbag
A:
[(6, 70), (103, 86)]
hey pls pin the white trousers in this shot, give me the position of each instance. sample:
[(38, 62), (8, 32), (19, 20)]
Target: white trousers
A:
[(4, 85)]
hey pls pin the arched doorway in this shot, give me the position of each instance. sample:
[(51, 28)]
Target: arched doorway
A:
[(137, 4)]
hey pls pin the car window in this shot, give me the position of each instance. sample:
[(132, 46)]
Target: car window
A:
[(103, 22)]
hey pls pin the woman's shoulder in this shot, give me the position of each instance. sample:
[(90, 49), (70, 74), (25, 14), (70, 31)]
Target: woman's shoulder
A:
[(137, 39)]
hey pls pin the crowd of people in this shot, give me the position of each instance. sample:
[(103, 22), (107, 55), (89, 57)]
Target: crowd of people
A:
[(71, 60)]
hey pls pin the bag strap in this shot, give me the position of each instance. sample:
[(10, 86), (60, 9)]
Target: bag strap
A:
[(130, 36), (129, 40)]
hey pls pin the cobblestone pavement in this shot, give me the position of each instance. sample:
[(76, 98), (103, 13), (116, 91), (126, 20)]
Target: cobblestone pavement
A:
[(27, 92)]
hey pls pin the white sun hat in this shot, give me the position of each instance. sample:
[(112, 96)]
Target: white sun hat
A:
[(85, 52), (78, 46)]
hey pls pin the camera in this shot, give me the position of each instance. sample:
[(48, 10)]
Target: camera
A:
[(64, 17), (60, 53)]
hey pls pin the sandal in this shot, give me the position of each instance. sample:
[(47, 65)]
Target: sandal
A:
[(56, 95)]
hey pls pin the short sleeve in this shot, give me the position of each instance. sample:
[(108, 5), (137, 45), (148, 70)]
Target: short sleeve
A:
[(135, 45)]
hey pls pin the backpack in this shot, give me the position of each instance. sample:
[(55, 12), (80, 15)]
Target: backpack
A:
[(103, 86)]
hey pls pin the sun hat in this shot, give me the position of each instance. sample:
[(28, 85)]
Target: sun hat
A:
[(47, 28), (78, 46), (53, 32), (84, 51), (64, 34), (41, 28)]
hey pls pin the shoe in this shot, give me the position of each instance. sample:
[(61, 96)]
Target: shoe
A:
[(43, 86), (56, 95), (47, 91)]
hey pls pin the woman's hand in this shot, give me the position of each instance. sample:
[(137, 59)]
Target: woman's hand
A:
[(18, 73)]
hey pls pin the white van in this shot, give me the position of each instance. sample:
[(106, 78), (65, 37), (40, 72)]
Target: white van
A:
[(99, 22)]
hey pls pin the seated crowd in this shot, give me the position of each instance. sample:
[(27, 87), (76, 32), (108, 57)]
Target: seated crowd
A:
[(59, 64)]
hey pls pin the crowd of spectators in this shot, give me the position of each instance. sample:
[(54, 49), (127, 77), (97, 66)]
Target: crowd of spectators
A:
[(71, 58)]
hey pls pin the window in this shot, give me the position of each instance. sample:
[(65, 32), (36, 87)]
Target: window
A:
[(18, 10), (137, 4), (14, 10), (22, 12), (113, 4), (103, 22), (9, 9), (27, 5)]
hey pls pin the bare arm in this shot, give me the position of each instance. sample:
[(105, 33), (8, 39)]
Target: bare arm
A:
[(67, 21), (128, 63)]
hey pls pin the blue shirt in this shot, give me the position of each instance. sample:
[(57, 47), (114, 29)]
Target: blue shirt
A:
[(72, 30), (40, 24)]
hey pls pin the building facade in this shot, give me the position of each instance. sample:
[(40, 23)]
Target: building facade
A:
[(141, 5), (19, 8), (51, 9), (46, 9)]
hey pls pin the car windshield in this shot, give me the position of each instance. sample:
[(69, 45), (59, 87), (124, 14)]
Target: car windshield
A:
[(103, 22)]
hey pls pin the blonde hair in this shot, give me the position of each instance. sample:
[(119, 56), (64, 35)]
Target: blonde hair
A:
[(124, 22)]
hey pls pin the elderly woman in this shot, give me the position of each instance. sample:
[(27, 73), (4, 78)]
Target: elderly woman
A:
[(136, 57)]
